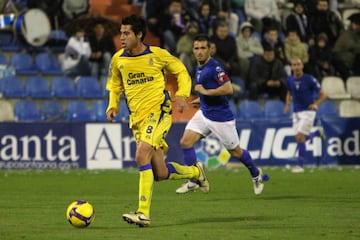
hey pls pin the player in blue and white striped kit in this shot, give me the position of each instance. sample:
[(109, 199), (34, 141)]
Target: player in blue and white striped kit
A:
[(301, 89), (214, 116)]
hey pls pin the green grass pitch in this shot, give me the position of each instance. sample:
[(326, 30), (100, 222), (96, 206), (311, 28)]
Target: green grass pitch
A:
[(322, 203)]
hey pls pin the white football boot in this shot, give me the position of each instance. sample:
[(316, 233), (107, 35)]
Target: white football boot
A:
[(258, 183), (136, 218)]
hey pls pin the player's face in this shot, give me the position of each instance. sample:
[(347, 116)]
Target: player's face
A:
[(201, 51), (128, 38), (297, 67)]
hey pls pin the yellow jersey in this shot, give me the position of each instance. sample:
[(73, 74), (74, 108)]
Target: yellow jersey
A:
[(142, 79)]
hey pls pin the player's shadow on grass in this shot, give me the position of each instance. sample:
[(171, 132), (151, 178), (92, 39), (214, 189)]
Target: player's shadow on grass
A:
[(221, 220), (285, 197)]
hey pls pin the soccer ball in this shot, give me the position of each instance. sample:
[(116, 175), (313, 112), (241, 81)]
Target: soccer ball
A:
[(80, 214)]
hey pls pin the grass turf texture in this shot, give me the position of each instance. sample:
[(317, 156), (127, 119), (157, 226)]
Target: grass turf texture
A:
[(322, 203)]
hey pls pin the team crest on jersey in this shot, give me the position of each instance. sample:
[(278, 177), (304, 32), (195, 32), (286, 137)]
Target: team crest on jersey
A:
[(151, 62), (297, 85), (218, 69)]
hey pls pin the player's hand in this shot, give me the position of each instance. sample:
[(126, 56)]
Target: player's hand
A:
[(110, 115), (313, 107), (181, 104)]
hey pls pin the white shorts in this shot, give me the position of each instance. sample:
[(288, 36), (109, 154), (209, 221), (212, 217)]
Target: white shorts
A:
[(303, 121), (225, 131)]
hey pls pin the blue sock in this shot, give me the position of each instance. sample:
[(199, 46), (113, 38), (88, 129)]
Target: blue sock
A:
[(249, 163), (301, 148), (313, 134), (189, 156)]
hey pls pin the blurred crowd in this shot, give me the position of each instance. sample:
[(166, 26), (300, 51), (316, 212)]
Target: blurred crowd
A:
[(253, 39), (256, 39)]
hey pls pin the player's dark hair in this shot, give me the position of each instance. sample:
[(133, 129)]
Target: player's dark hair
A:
[(202, 37), (138, 24)]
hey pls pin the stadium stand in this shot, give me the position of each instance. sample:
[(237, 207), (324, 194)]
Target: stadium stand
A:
[(88, 87), (334, 87), (26, 110), (234, 108), (123, 112), (105, 92), (7, 111), (51, 110), (274, 109), (37, 87), (353, 86), (349, 108), (3, 59), (63, 87), (99, 110), (250, 109), (23, 63), (327, 109), (12, 87), (78, 111), (57, 40), (48, 64)]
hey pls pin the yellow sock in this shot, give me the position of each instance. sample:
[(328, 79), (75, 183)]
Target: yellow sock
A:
[(146, 183), (177, 171)]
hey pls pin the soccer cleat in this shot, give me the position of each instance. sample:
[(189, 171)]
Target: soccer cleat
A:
[(136, 218), (297, 169), (322, 133), (187, 187), (202, 180), (258, 183)]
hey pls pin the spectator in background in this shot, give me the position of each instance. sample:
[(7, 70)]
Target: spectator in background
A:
[(75, 8), (77, 53), (102, 49), (206, 19), (184, 47), (271, 37), (173, 25), (324, 21), (263, 14), (320, 58), (238, 8), (248, 47), (298, 20), (226, 48), (267, 76), (224, 13), (295, 48), (154, 11), (347, 49)]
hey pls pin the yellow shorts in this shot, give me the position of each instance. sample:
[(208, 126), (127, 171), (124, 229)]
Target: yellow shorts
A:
[(154, 128)]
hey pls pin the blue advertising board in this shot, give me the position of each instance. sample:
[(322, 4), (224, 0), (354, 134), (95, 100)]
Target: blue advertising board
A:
[(112, 146)]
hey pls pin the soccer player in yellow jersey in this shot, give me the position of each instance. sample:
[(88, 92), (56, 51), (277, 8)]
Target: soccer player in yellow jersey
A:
[(137, 70)]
